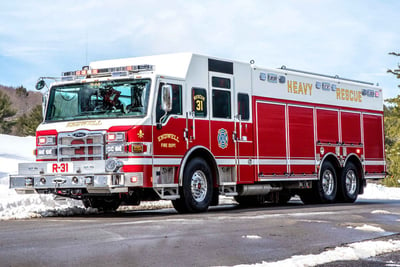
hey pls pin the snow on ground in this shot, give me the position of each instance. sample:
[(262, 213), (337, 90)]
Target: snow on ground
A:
[(353, 251), (368, 228), (375, 191), (252, 236)]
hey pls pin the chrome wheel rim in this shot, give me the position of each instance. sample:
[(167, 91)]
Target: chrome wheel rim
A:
[(199, 186), (351, 182), (328, 183)]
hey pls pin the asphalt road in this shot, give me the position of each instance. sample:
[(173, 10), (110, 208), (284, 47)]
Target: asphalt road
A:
[(226, 235)]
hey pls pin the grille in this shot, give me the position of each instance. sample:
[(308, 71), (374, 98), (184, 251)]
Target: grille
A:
[(81, 145)]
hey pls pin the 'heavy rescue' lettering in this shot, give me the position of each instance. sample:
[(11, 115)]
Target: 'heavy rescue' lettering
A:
[(348, 95), (295, 87)]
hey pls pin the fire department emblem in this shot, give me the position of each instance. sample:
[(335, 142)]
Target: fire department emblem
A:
[(222, 138)]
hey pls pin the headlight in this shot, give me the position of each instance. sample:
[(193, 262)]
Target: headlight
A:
[(115, 148), (44, 152)]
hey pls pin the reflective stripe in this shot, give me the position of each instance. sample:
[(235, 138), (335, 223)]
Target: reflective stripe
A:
[(138, 161), (374, 162), (167, 161), (302, 162), (284, 162), (225, 161)]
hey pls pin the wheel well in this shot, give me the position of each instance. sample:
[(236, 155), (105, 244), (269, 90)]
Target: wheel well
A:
[(335, 162), (205, 154)]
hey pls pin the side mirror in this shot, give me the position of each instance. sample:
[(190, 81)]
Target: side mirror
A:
[(40, 84), (166, 98), (166, 102)]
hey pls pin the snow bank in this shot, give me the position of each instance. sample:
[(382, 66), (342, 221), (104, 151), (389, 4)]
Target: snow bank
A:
[(354, 251), (13, 150), (376, 191)]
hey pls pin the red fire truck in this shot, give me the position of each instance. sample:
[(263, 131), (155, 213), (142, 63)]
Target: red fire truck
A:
[(188, 128)]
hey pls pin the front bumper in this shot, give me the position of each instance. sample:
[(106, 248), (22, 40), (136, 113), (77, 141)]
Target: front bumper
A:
[(89, 175)]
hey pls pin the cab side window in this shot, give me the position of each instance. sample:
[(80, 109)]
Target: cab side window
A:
[(243, 106), (176, 101), (199, 102), (221, 104), (221, 97)]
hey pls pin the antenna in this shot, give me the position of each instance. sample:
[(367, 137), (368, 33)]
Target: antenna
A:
[(86, 48)]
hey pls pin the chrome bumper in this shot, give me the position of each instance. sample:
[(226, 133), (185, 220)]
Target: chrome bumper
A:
[(89, 175)]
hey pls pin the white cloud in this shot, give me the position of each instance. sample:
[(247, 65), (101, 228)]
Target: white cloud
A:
[(351, 39)]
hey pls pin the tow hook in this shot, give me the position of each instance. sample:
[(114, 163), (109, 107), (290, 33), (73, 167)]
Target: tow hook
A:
[(59, 181)]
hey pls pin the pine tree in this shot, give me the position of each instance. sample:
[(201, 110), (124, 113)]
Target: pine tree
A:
[(21, 91), (6, 111), (395, 72), (27, 124), (392, 134)]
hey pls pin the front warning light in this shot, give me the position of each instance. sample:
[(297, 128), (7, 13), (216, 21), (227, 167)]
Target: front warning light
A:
[(116, 137), (46, 140)]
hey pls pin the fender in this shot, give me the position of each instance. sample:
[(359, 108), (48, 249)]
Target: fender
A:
[(358, 163), (335, 162), (203, 152)]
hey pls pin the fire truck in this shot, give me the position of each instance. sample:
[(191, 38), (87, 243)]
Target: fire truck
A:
[(188, 128)]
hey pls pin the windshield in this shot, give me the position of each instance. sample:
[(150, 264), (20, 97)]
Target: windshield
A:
[(98, 100)]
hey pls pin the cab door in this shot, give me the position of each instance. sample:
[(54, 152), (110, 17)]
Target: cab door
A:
[(169, 131)]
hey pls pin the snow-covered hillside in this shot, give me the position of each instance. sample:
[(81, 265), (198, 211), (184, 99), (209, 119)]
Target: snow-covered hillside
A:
[(13, 206)]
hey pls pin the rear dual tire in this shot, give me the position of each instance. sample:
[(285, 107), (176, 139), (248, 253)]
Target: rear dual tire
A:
[(325, 189), (330, 189), (349, 183)]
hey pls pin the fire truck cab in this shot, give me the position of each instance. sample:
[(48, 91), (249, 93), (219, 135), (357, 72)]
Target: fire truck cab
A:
[(188, 128)]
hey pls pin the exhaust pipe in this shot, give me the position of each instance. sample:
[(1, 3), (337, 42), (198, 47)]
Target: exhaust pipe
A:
[(257, 189)]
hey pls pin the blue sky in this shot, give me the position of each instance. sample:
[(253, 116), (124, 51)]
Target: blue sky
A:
[(348, 38)]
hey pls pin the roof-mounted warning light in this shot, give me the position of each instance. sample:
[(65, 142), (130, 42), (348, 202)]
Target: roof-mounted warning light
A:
[(104, 72)]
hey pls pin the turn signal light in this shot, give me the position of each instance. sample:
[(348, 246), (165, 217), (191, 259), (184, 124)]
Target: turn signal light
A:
[(138, 148)]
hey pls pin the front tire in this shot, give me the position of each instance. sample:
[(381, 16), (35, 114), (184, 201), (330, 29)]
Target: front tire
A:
[(197, 190)]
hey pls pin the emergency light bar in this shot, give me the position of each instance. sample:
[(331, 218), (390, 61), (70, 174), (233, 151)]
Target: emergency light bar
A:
[(113, 72)]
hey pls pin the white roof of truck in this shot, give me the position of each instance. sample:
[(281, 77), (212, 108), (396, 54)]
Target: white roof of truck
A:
[(174, 65)]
